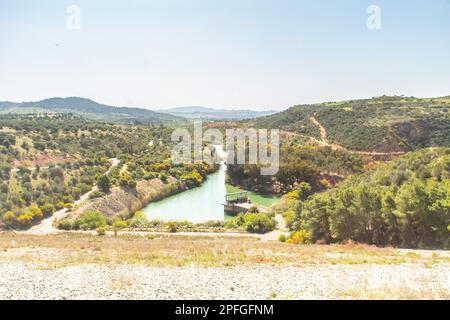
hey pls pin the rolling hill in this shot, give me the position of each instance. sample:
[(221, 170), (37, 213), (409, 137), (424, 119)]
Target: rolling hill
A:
[(215, 114), (88, 108), (383, 124)]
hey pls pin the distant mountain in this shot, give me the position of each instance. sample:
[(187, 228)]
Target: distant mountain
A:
[(195, 112), (88, 108)]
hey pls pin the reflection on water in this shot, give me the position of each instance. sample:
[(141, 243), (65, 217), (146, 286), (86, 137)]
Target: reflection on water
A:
[(201, 204)]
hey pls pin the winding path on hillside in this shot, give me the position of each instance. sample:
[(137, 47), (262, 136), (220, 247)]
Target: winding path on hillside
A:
[(324, 141), (323, 131)]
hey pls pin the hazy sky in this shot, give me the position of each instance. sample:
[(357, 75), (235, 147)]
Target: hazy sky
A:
[(256, 54)]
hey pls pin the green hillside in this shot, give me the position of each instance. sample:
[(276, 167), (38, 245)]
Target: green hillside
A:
[(382, 124), (405, 202), (87, 108)]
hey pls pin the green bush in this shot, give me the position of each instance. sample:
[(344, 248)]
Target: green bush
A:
[(90, 220), (258, 223), (48, 209), (119, 225), (139, 220), (100, 231), (64, 224), (60, 205), (96, 194), (172, 226)]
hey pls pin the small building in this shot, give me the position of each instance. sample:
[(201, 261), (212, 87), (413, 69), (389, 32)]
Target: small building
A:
[(237, 202)]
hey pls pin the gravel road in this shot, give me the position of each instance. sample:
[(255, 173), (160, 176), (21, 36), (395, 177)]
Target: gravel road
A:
[(27, 281)]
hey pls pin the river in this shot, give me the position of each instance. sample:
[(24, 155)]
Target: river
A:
[(201, 204)]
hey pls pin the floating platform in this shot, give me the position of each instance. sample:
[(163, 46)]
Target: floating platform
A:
[(236, 203)]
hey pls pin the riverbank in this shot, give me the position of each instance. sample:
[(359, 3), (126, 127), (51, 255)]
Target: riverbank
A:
[(124, 202), (84, 266)]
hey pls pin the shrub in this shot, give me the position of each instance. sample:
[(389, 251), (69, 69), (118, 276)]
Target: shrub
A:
[(9, 217), (304, 190), (163, 177), (139, 220), (76, 193), (293, 195), (60, 205), (48, 209), (24, 220), (155, 223), (36, 213), (119, 225), (101, 231), (96, 194), (231, 224), (172, 226), (300, 237), (301, 193), (68, 199), (90, 220), (150, 176), (214, 224), (64, 224), (258, 223), (282, 238), (253, 209), (127, 181)]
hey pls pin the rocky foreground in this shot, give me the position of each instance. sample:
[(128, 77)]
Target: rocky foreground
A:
[(22, 280)]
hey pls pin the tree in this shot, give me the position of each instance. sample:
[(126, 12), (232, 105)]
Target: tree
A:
[(304, 190), (48, 209), (9, 217), (258, 223), (104, 183), (76, 193), (90, 220)]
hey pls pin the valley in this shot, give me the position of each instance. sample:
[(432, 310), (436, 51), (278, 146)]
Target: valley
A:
[(82, 196), (98, 185)]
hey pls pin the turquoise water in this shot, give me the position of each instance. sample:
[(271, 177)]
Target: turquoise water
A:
[(197, 205), (203, 203)]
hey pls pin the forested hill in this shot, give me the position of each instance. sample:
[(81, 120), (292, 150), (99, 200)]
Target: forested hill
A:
[(405, 202), (86, 107), (384, 124)]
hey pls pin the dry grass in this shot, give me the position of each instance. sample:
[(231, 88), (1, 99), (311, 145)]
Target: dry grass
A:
[(53, 251), (403, 293)]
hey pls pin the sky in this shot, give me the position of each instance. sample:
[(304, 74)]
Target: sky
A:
[(254, 54)]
